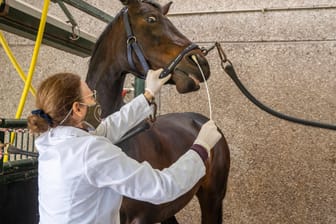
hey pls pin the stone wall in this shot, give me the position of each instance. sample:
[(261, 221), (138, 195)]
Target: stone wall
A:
[(280, 172)]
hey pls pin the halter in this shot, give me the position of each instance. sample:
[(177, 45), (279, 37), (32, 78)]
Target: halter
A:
[(132, 45)]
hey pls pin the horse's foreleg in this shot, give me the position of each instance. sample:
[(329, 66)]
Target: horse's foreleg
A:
[(212, 191), (171, 220), (211, 207), (211, 195)]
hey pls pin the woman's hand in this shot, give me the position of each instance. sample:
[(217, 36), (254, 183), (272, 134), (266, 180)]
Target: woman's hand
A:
[(153, 82), (208, 136)]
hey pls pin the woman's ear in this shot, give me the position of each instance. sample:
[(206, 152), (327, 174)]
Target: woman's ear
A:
[(77, 111)]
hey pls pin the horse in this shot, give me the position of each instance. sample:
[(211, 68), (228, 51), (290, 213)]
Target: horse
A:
[(139, 38)]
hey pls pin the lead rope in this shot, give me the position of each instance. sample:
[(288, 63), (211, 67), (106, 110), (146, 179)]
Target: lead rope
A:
[(152, 117), (193, 57), (228, 68)]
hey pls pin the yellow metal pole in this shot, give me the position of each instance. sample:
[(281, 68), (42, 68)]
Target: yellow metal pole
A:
[(34, 58), (32, 65), (14, 62)]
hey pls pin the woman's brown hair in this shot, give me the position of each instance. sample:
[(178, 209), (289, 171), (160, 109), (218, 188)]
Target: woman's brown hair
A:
[(54, 100)]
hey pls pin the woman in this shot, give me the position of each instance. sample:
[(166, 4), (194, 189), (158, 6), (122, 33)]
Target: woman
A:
[(82, 177)]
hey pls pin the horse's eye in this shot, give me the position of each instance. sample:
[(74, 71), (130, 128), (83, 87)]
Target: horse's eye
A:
[(151, 19)]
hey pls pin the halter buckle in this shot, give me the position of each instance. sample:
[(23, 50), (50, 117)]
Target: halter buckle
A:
[(131, 39)]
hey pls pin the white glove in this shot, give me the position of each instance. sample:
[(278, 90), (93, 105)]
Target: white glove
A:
[(208, 136), (153, 82)]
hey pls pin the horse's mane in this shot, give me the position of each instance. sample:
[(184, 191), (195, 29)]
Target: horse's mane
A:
[(153, 3), (102, 36)]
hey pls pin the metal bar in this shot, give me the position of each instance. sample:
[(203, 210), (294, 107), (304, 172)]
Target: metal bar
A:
[(260, 10), (16, 150), (14, 61), (27, 142), (14, 136), (10, 123), (2, 140), (38, 42), (22, 19), (1, 162), (139, 86), (33, 142), (293, 41), (21, 142), (13, 123), (18, 176), (19, 170), (89, 9), (67, 13), (16, 170)]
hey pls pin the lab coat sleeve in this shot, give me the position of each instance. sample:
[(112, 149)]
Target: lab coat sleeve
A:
[(117, 124), (107, 166)]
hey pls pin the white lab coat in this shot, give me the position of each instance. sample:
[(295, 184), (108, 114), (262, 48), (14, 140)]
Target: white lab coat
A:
[(82, 177)]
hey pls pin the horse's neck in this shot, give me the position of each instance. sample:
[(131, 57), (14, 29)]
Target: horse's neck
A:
[(107, 78), (106, 71), (110, 94)]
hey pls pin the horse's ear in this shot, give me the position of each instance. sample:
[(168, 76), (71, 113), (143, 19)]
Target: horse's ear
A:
[(128, 2), (166, 7), (124, 2)]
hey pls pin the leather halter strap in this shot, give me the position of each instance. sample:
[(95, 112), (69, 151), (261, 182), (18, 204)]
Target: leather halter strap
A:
[(132, 45), (171, 66)]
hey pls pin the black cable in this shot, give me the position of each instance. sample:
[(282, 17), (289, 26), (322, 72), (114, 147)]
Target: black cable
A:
[(232, 73)]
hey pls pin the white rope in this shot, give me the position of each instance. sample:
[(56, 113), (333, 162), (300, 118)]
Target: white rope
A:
[(206, 85)]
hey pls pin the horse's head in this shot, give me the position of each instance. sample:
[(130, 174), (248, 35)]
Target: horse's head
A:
[(161, 44), (139, 38)]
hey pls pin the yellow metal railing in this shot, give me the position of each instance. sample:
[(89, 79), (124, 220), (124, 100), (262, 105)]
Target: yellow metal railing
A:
[(28, 79), (34, 59), (14, 61)]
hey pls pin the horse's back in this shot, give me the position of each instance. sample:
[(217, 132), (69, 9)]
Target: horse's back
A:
[(166, 139)]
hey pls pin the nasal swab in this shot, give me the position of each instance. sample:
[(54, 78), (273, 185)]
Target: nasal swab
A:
[(193, 57)]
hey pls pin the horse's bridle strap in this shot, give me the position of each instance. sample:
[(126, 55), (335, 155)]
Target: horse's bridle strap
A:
[(132, 44), (140, 56), (177, 60)]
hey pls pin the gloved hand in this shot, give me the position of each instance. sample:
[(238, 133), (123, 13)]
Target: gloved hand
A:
[(208, 136), (153, 83)]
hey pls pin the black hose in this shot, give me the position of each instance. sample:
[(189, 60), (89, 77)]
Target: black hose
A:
[(232, 73)]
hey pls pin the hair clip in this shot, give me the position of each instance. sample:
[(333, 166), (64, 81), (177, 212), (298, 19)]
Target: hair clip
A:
[(43, 115)]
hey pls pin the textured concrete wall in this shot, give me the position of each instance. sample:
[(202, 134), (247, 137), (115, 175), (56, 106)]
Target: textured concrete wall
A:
[(281, 172)]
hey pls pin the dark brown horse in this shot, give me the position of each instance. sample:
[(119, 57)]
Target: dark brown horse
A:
[(118, 52)]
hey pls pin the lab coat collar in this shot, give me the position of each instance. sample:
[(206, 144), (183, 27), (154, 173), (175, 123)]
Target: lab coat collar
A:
[(65, 131)]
